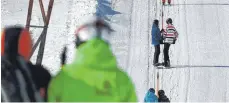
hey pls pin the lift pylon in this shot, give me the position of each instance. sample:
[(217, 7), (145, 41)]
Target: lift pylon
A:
[(42, 37)]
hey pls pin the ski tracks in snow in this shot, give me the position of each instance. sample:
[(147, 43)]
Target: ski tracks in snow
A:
[(136, 36), (138, 57), (187, 48), (178, 83)]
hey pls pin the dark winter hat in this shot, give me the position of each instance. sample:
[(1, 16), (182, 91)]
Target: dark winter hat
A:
[(152, 90), (156, 22), (161, 92), (169, 21)]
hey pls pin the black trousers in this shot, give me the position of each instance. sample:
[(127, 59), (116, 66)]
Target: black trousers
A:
[(156, 53), (166, 53)]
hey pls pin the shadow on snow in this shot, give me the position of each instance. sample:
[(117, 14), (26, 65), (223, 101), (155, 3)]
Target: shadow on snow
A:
[(104, 9), (199, 66), (204, 4)]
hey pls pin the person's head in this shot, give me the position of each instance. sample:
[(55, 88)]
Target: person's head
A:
[(156, 22), (152, 90), (16, 40), (93, 28), (169, 21), (161, 92), (41, 77)]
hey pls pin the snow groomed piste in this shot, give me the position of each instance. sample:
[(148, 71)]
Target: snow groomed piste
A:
[(199, 59)]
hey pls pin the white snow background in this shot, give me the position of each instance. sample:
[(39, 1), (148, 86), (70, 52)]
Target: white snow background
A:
[(200, 57)]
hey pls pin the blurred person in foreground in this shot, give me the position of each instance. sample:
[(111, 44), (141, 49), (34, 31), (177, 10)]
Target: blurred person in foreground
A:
[(94, 75), (21, 80)]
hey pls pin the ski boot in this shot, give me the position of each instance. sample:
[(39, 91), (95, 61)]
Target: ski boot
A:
[(167, 64), (156, 64)]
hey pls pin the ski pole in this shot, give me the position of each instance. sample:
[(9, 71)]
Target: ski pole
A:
[(157, 87), (63, 56), (162, 17)]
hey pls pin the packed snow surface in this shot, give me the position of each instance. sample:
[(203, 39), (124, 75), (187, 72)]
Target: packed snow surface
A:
[(199, 59)]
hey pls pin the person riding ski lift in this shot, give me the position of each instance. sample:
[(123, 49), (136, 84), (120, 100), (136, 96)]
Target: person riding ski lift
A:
[(156, 41), (170, 36)]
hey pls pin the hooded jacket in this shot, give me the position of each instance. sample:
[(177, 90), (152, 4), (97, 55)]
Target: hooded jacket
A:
[(150, 97), (156, 35), (93, 77)]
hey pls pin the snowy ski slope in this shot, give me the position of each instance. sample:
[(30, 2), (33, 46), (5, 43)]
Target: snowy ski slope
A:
[(200, 57), (66, 16)]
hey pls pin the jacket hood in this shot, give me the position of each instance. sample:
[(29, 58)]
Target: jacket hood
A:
[(93, 62), (150, 94), (94, 54), (151, 97), (155, 26)]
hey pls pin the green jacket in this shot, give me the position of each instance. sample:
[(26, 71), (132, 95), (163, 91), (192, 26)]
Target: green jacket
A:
[(93, 77)]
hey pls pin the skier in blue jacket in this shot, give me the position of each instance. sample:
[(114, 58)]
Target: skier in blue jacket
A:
[(150, 96), (156, 38)]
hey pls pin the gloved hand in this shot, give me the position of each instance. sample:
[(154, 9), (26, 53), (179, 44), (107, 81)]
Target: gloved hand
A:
[(162, 30)]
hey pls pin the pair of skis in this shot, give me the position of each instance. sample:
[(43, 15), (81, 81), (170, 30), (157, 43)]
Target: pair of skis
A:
[(162, 66)]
